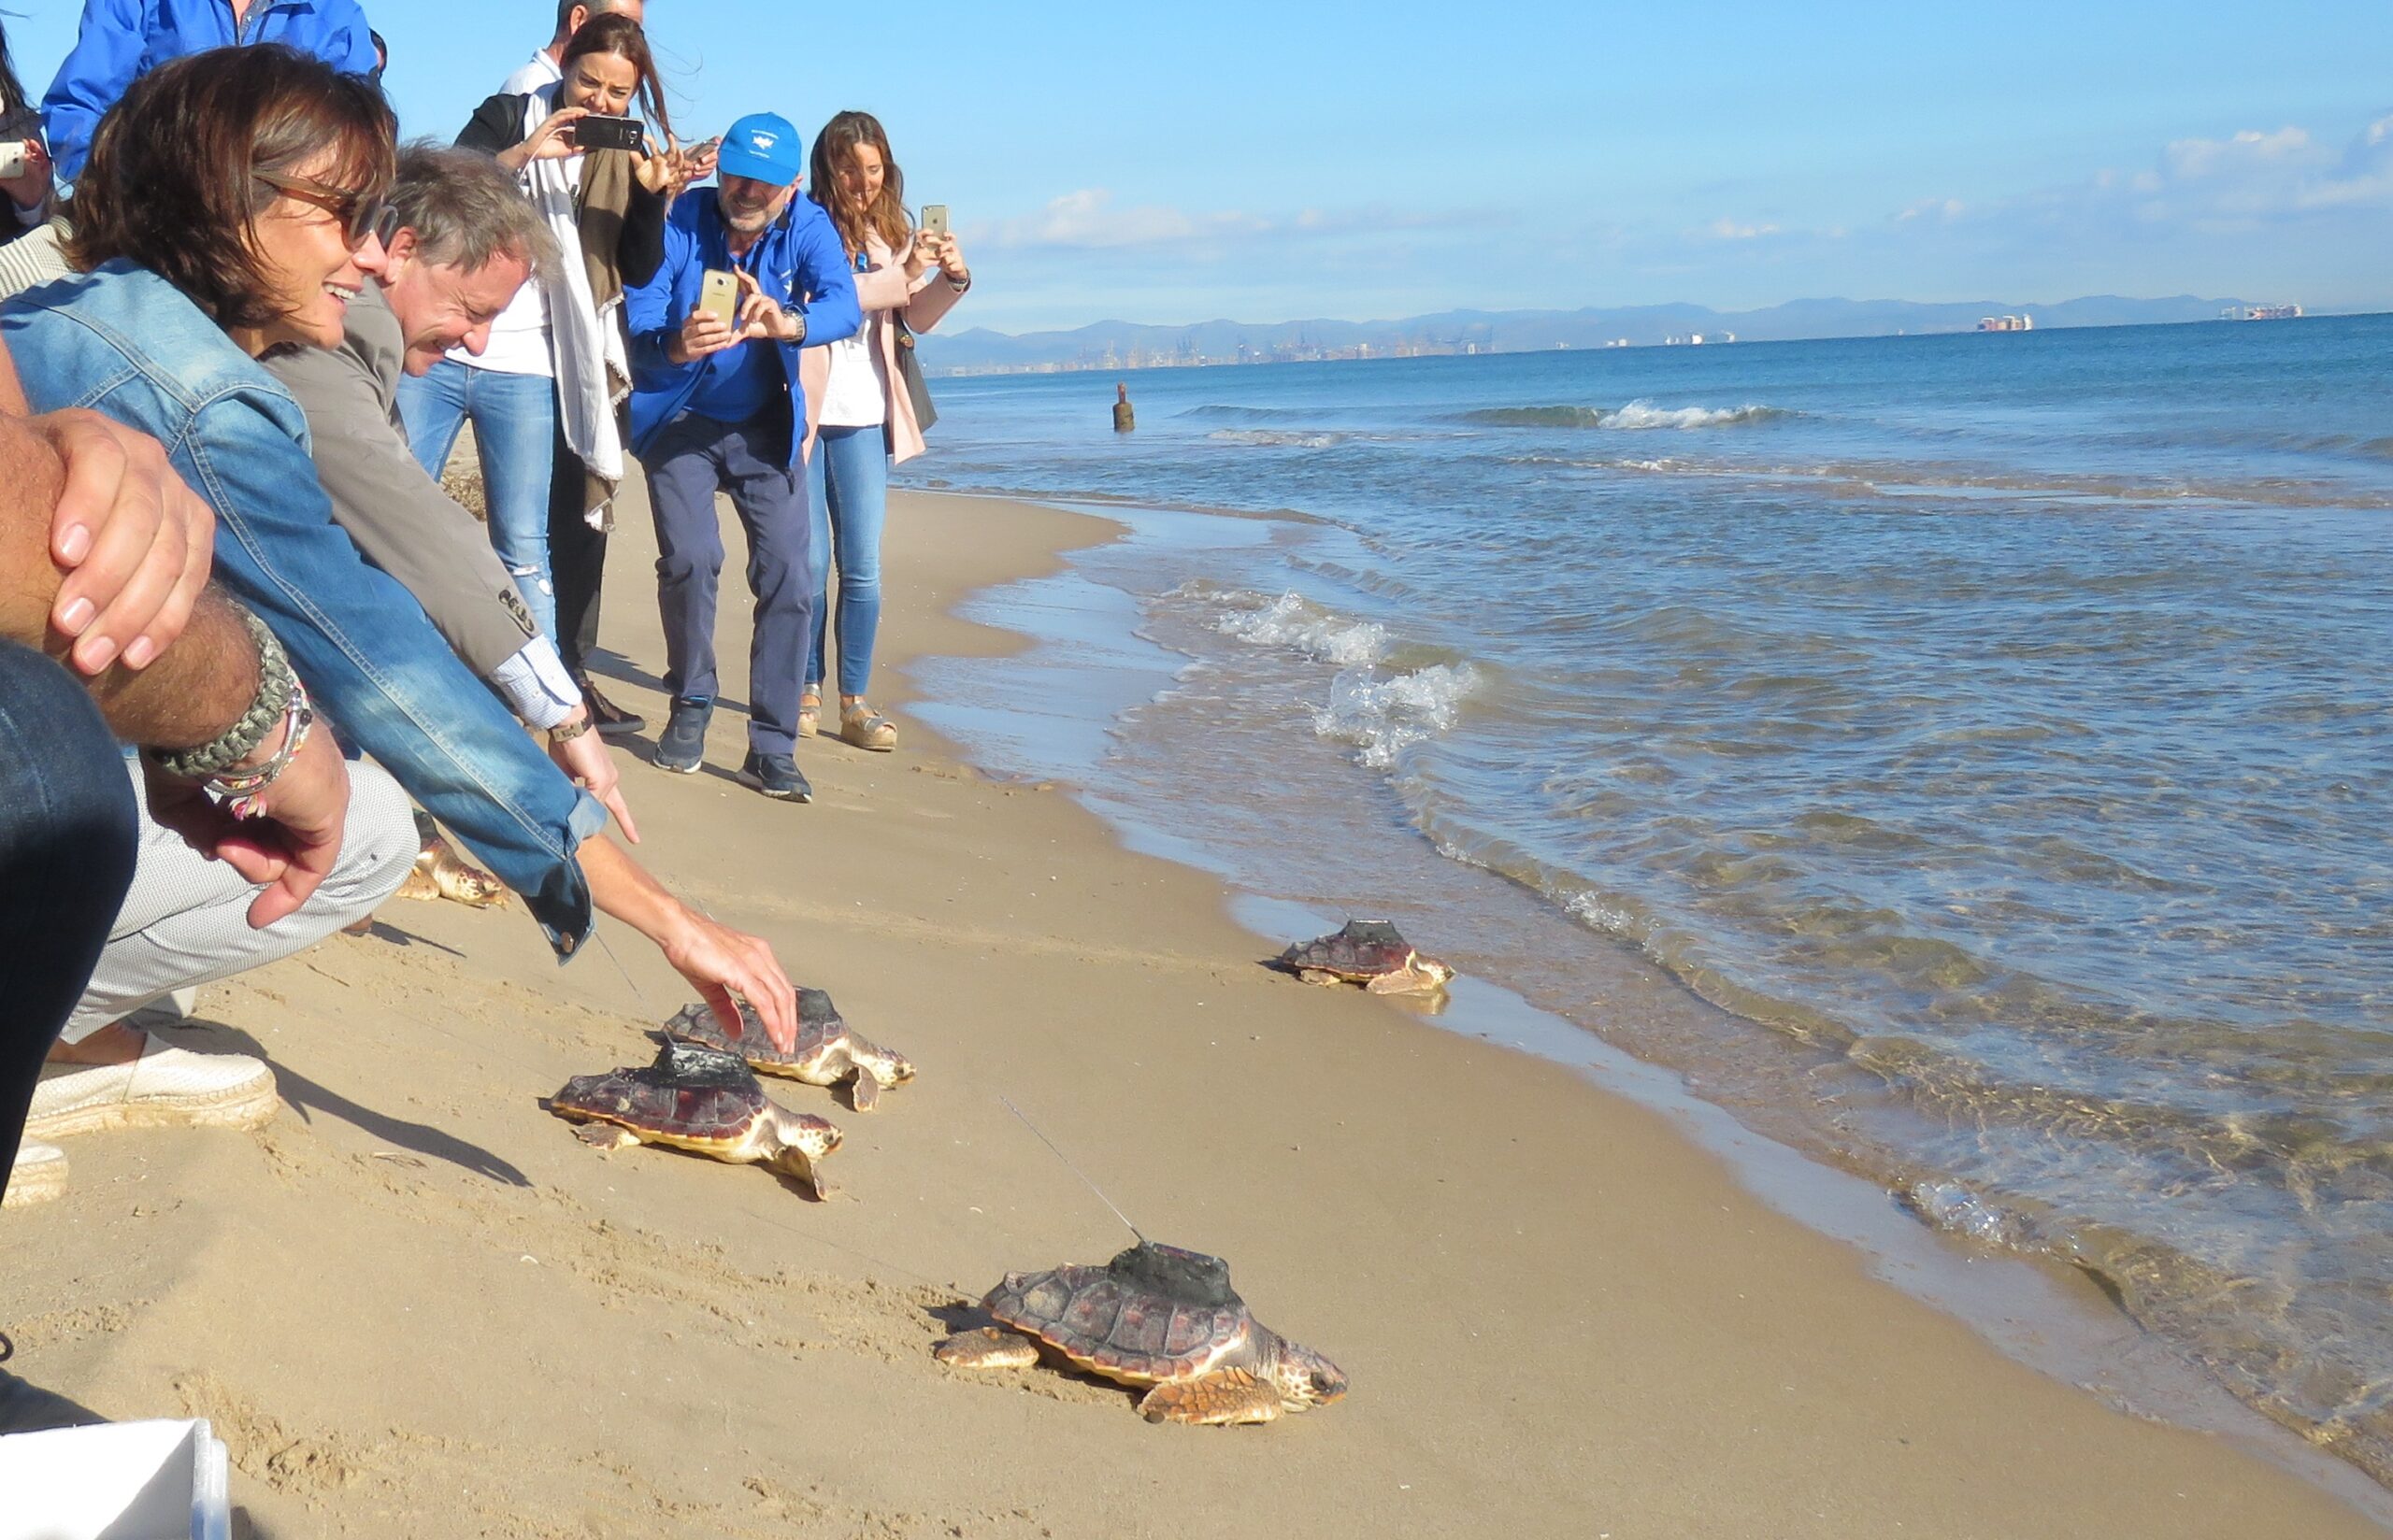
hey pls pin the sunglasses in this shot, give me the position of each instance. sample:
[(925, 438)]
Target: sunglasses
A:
[(360, 214)]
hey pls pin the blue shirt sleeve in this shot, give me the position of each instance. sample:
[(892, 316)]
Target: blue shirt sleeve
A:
[(106, 58), (823, 272), (648, 307), (348, 46)]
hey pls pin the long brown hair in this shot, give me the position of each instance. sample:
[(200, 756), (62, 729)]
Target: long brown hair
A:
[(617, 33), (887, 215), (173, 185)]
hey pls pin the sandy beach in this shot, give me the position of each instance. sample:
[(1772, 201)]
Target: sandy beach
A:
[(416, 1305)]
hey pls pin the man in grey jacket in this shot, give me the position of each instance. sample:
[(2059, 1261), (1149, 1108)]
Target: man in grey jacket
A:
[(459, 240)]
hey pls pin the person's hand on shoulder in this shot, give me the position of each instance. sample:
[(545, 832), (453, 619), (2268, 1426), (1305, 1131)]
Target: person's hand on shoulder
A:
[(135, 542)]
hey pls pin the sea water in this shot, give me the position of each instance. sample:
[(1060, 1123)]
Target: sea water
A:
[(1965, 757)]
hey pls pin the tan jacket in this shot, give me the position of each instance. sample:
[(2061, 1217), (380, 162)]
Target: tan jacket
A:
[(881, 288)]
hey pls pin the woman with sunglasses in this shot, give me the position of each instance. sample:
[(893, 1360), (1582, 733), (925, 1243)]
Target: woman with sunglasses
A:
[(541, 396), (228, 209)]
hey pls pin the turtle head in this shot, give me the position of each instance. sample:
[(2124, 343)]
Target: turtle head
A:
[(1305, 1379), (900, 1068), (804, 1140), (1438, 974)]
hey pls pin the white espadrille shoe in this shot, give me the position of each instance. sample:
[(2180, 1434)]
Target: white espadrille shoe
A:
[(38, 1176), (165, 1087)]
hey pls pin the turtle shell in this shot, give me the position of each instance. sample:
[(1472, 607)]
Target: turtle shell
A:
[(1155, 1313), (818, 1023), (1365, 949), (691, 1093)]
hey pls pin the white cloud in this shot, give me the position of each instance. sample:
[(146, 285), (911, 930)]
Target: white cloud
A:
[(1937, 209), (1087, 220), (2190, 159), (1728, 229)]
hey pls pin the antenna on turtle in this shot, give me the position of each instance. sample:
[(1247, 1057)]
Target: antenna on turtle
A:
[(1074, 1170)]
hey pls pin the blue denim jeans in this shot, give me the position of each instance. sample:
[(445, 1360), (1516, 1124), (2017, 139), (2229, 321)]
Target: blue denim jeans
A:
[(687, 465), (514, 418), (68, 835), (849, 478)]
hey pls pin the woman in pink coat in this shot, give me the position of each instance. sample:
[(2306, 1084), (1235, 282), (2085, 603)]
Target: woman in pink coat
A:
[(859, 415)]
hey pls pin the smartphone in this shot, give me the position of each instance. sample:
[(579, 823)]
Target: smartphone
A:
[(934, 219), (12, 159), (719, 296), (602, 133)]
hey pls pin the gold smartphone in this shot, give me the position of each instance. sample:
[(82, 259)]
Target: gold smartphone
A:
[(934, 219), (719, 296)]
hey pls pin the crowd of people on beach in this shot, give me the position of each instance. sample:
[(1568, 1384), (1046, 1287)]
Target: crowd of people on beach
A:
[(251, 653)]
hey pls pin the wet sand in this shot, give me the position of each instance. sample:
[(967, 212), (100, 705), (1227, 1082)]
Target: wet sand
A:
[(416, 1305)]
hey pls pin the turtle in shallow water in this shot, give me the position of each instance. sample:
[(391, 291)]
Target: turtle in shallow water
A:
[(440, 872), (1154, 1316), (827, 1051), (1369, 952), (701, 1098)]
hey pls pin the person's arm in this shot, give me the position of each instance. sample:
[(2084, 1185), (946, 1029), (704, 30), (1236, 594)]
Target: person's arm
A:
[(714, 957), (204, 681), (496, 125), (825, 285), (640, 249), (349, 49), (647, 305), (197, 687), (105, 56)]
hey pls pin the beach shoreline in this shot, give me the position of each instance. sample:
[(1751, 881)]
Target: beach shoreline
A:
[(415, 1305)]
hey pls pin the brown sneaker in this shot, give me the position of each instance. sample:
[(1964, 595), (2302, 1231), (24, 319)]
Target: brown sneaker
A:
[(864, 727), (611, 720)]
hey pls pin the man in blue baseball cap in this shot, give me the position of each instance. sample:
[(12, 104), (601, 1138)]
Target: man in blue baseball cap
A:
[(717, 407)]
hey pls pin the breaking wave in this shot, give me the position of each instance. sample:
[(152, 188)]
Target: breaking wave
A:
[(1275, 437), (1293, 621), (1636, 415), (1384, 717)]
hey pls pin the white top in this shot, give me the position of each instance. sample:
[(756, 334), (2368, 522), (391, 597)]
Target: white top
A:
[(541, 71), (519, 337), (857, 394)]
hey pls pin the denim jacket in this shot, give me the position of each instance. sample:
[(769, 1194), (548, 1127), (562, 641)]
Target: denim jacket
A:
[(123, 342), (797, 262), (122, 40)]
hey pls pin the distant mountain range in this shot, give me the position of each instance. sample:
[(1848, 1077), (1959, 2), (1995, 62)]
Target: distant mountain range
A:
[(1121, 344)]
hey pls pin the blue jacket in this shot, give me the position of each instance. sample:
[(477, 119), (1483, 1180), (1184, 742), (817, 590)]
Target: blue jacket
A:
[(122, 40), (123, 341), (799, 262)]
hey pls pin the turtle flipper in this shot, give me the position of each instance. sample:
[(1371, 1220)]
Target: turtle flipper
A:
[(864, 1091), (1223, 1397), (1402, 981), (1317, 975), (989, 1347), (604, 1135)]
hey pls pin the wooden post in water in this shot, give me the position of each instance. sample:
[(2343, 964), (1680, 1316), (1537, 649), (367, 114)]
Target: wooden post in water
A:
[(1125, 420)]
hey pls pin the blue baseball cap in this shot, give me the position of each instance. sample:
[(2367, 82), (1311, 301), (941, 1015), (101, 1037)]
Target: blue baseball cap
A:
[(763, 147)]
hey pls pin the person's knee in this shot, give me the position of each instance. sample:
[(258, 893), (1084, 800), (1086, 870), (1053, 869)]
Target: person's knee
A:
[(378, 845)]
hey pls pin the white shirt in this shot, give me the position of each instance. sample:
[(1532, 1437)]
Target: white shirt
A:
[(519, 336), (857, 394)]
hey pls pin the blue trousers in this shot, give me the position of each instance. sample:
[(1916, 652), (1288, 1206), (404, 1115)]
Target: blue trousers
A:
[(68, 835), (691, 460), (849, 479), (515, 419)]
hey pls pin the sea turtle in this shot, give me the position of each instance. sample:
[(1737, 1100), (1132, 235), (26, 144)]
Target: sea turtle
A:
[(1155, 1316), (697, 1098), (1369, 952), (828, 1051), (440, 872)]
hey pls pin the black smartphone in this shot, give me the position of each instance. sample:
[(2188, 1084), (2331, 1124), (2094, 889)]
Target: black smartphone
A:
[(601, 133)]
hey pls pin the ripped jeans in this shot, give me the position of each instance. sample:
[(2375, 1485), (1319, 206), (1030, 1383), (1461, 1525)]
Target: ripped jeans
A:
[(514, 418)]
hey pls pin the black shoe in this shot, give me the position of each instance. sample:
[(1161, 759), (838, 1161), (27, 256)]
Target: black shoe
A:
[(776, 775), (611, 720), (683, 746)]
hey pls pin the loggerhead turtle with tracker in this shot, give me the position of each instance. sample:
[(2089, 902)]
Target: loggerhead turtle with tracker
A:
[(1369, 952)]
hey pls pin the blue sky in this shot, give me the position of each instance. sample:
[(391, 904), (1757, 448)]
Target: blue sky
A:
[(1268, 162)]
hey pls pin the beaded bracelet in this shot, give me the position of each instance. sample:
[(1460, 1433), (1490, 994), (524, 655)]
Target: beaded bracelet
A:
[(240, 790), (239, 741)]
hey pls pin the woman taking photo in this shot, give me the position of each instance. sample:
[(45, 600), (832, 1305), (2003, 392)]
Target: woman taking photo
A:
[(862, 415), (541, 396)]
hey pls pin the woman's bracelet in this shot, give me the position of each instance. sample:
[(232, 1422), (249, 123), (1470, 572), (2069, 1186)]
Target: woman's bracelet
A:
[(276, 683), (240, 789), (959, 285)]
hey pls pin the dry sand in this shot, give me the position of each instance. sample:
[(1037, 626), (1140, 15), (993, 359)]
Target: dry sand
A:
[(416, 1305)]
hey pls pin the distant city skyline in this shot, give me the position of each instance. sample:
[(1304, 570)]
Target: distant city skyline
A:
[(1268, 163)]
